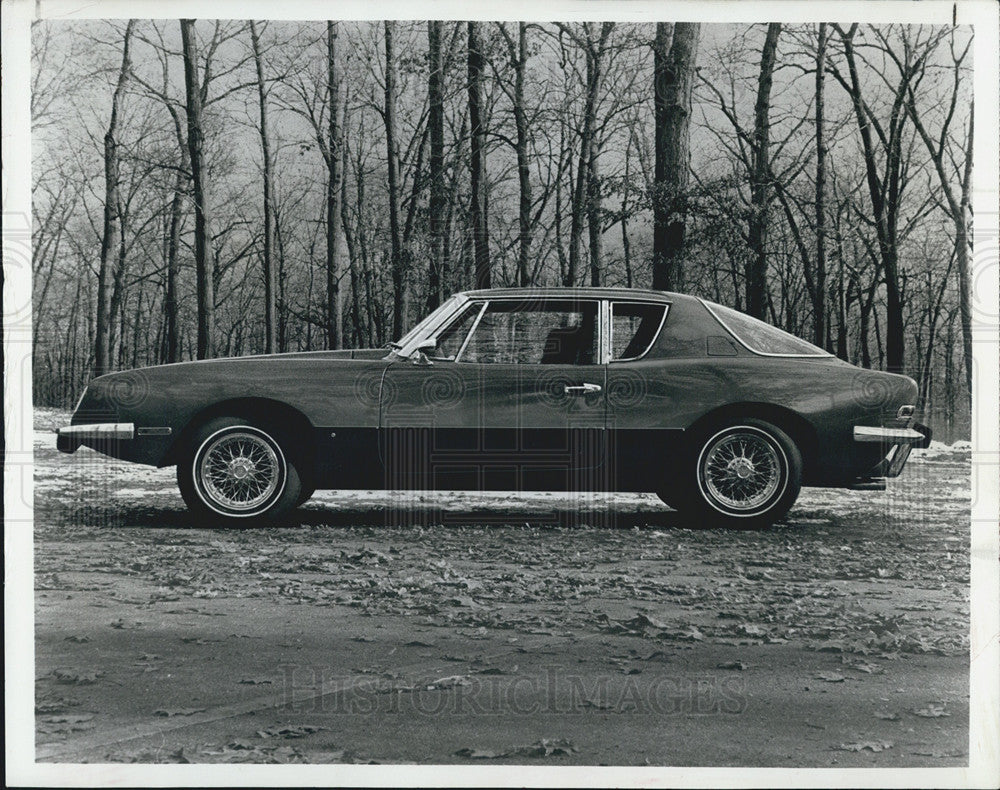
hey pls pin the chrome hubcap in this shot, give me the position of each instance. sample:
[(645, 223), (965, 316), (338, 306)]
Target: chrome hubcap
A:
[(741, 470), (239, 470)]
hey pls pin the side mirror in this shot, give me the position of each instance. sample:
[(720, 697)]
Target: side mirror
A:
[(422, 350)]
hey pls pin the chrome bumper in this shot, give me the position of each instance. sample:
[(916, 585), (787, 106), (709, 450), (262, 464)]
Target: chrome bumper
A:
[(68, 439), (897, 441), (866, 433)]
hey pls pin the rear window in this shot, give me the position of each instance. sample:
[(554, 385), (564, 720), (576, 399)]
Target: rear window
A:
[(761, 337)]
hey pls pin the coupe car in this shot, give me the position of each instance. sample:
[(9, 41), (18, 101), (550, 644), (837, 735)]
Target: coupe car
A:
[(583, 389)]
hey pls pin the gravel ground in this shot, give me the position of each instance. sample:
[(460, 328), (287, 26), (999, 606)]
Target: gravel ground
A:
[(499, 628)]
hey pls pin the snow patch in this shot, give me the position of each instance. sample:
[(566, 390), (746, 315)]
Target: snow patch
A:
[(940, 451)]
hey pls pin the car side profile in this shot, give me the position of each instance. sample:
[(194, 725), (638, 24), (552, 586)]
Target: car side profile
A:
[(582, 389)]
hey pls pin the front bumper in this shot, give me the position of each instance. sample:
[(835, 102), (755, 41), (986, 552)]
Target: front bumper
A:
[(70, 438)]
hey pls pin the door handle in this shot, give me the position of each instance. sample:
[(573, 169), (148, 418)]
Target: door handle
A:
[(581, 389)]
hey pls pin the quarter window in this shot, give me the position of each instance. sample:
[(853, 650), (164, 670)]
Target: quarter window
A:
[(546, 332), (450, 340), (761, 337), (634, 327)]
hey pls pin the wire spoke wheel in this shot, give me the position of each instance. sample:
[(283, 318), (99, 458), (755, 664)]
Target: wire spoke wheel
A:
[(743, 471), (239, 470)]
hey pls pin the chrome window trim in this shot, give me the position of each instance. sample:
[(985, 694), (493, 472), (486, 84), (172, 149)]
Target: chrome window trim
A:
[(459, 301), (486, 302), (472, 329), (611, 326), (823, 355)]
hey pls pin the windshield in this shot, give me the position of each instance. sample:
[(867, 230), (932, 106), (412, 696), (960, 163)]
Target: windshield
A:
[(760, 337), (427, 322)]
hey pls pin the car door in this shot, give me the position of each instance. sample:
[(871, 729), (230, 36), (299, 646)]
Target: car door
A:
[(511, 398), (641, 396)]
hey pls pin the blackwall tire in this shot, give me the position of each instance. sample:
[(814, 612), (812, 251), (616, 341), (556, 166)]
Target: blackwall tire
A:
[(236, 473), (742, 474)]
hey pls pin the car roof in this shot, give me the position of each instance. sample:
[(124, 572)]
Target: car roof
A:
[(592, 292)]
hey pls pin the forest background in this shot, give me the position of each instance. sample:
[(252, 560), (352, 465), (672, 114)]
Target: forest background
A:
[(215, 188)]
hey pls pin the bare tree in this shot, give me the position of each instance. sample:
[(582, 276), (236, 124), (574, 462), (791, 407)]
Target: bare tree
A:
[(439, 194), (202, 216), (958, 201), (267, 255), (333, 191), (518, 55), (477, 160), (818, 290), (389, 114), (111, 237), (675, 53), (760, 179)]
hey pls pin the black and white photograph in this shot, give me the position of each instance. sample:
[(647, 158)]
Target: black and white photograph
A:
[(561, 394)]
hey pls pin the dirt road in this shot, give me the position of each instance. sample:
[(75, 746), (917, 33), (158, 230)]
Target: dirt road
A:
[(453, 628)]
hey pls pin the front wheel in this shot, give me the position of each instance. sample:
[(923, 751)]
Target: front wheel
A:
[(745, 474), (237, 473)]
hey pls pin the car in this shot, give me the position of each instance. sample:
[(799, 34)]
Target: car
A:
[(543, 389)]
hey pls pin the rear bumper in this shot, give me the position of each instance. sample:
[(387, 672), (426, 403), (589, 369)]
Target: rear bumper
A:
[(70, 438), (896, 442)]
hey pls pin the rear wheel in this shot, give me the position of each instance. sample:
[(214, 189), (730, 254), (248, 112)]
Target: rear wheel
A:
[(746, 473), (238, 473)]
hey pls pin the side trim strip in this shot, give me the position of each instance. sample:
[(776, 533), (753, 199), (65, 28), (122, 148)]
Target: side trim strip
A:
[(153, 431)]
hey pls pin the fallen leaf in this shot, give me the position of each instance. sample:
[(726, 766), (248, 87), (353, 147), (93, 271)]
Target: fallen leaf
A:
[(939, 753), (297, 731), (78, 677), (545, 748), (931, 712), (68, 719), (479, 754), (449, 682), (862, 746)]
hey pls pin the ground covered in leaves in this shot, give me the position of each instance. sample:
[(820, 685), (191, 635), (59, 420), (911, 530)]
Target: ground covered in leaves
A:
[(495, 628)]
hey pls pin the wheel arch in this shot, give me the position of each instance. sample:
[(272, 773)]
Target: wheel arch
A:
[(798, 428), (264, 412)]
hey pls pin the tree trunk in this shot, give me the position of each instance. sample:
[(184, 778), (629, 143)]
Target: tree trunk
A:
[(439, 195), (958, 210), (884, 199), (397, 262), (582, 201), (480, 232), (521, 148), (594, 225), (760, 187), (334, 175), (202, 216), (674, 57), (270, 299), (111, 235), (819, 280)]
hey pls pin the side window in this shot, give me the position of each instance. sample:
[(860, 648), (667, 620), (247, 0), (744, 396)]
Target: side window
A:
[(634, 327), (762, 337), (537, 332), (451, 338)]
